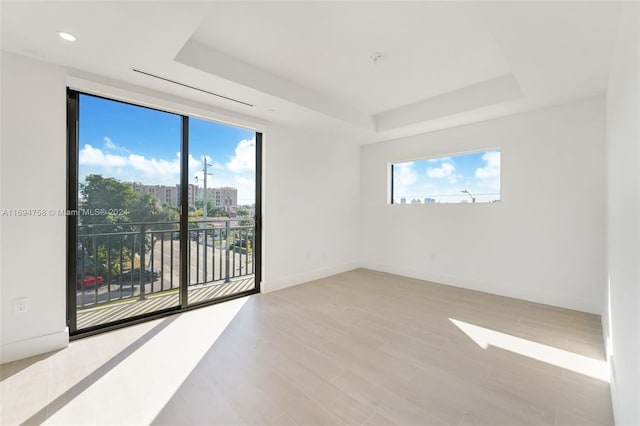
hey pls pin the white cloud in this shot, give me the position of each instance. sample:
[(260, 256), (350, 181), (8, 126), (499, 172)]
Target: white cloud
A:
[(133, 167), (194, 163), (488, 177), (110, 145), (404, 176), (454, 178), (492, 166), (152, 167), (238, 172), (244, 158), (445, 170), (95, 157)]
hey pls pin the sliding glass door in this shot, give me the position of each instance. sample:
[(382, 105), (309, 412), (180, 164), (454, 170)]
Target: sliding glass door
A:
[(161, 212), (222, 221)]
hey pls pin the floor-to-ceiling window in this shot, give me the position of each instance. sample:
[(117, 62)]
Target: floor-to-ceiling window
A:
[(163, 212)]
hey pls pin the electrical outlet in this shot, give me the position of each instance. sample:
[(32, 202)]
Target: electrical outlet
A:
[(20, 305)]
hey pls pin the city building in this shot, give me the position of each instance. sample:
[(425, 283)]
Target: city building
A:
[(165, 194), (225, 198)]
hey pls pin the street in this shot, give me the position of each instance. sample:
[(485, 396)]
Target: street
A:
[(165, 260)]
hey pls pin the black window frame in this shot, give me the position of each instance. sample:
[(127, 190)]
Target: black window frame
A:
[(73, 120)]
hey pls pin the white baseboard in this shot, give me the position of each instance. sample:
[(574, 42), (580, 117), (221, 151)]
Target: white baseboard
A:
[(559, 300), (34, 346), (269, 286)]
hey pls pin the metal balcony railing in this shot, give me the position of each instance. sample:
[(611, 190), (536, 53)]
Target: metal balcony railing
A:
[(132, 260)]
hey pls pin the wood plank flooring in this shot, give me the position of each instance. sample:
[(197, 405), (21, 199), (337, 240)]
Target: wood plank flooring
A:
[(359, 348), (367, 348)]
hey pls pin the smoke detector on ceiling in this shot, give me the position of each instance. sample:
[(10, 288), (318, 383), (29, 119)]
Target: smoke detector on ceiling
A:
[(375, 57)]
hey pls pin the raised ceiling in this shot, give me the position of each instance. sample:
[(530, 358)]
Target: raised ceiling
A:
[(427, 49), (441, 63)]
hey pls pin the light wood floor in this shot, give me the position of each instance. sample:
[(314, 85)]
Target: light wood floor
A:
[(359, 348), (371, 348)]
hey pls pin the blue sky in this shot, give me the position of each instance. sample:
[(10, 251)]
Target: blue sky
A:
[(134, 143), (444, 178)]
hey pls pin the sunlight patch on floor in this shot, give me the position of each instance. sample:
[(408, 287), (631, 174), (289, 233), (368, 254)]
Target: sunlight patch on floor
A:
[(147, 379), (485, 337)]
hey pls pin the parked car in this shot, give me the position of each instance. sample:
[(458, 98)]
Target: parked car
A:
[(89, 281), (133, 275), (242, 244)]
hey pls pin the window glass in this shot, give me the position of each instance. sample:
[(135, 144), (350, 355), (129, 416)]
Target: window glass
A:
[(464, 178)]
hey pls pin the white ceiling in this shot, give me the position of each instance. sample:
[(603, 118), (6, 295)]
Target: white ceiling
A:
[(442, 63), (427, 48)]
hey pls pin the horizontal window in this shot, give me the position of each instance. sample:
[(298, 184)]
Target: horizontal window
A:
[(463, 178)]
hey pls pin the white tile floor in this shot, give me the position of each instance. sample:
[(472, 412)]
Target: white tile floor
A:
[(357, 348)]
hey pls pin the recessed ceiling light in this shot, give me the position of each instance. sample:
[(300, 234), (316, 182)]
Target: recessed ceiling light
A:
[(66, 36)]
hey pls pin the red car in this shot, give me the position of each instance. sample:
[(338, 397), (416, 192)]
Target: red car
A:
[(90, 281)]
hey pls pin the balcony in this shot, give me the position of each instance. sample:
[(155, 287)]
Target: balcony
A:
[(130, 269)]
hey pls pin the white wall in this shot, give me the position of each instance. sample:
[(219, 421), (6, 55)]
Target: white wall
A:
[(622, 312), (33, 168), (543, 242), (312, 206)]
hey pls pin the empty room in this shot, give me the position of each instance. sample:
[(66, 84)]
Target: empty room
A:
[(320, 212)]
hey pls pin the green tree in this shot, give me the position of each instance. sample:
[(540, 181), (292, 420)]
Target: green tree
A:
[(144, 208), (103, 212), (112, 207), (170, 213), (212, 209), (105, 200)]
